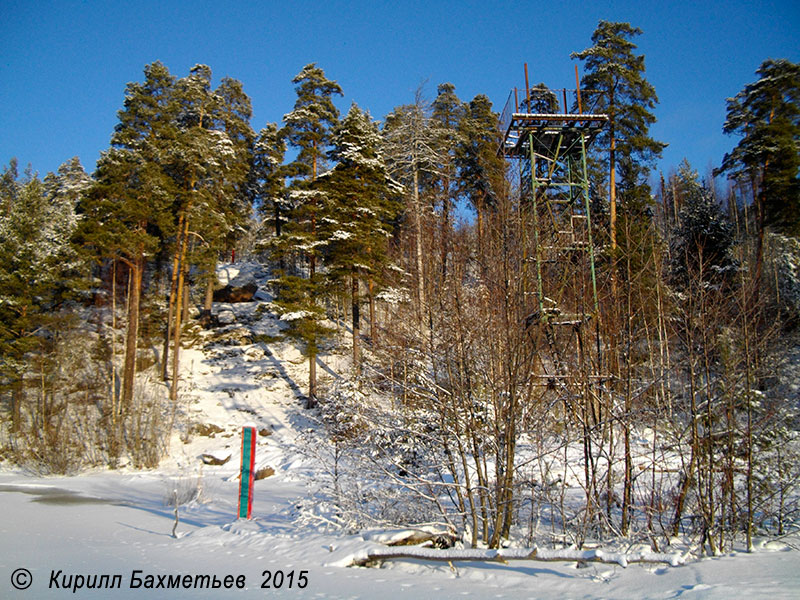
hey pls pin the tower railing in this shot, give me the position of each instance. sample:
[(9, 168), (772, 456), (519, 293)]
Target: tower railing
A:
[(538, 103)]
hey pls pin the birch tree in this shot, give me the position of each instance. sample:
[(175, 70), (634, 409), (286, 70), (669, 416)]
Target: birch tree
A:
[(411, 147)]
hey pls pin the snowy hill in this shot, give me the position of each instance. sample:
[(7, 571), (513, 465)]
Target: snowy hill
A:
[(80, 533)]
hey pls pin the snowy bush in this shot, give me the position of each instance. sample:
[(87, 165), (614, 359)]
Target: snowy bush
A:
[(147, 428), (785, 260)]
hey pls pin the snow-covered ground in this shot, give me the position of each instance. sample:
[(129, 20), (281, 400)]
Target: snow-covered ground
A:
[(77, 529)]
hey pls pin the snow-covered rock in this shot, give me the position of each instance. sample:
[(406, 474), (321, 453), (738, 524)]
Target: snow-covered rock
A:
[(254, 353), (226, 317), (216, 457)]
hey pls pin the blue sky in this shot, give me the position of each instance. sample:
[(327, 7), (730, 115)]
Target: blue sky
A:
[(64, 65)]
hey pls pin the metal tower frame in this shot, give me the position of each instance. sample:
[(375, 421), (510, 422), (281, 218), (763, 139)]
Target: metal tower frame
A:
[(550, 139)]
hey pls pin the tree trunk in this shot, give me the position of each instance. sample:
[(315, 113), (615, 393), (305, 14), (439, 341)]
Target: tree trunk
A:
[(281, 261), (376, 556), (627, 490), (373, 328), (17, 397), (356, 321), (749, 415), (114, 445), (132, 336), (173, 291), (277, 219), (695, 458), (445, 229), (312, 271), (479, 211), (612, 191), (676, 203), (760, 219), (418, 248), (208, 299), (685, 485), (311, 401), (187, 294), (176, 334)]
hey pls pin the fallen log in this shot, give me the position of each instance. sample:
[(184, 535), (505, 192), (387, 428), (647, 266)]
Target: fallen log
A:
[(412, 537), (375, 556)]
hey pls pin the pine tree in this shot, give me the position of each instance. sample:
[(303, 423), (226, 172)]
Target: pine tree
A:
[(39, 267), (128, 212), (448, 112), (481, 169), (542, 100), (235, 197), (622, 155), (230, 180), (68, 183), (211, 164), (269, 175), (702, 243), (298, 292), (308, 128), (195, 104), (613, 69), (361, 208), (766, 114)]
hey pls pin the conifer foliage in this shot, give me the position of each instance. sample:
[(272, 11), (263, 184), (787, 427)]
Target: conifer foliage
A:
[(39, 268), (361, 203), (613, 69), (268, 175), (464, 405), (766, 114), (308, 128), (702, 243), (128, 212), (411, 144), (480, 167)]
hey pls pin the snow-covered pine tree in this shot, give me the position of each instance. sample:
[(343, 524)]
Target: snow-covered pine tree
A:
[(448, 112), (68, 183), (362, 205), (702, 243), (210, 164), (613, 69), (38, 268), (308, 129), (231, 192), (128, 211), (543, 100), (481, 170), (269, 176), (234, 194)]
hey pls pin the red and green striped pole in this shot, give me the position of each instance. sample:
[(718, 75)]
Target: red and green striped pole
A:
[(247, 476)]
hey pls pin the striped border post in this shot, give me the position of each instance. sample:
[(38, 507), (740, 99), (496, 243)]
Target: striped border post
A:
[(247, 475)]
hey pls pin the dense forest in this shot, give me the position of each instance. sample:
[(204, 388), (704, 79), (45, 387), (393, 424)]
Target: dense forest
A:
[(668, 408)]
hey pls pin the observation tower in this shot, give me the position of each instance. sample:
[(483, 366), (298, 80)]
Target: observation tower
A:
[(548, 131)]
